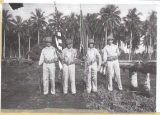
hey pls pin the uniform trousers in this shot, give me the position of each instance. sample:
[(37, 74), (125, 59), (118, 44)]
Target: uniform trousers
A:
[(69, 74), (113, 69), (92, 78), (48, 74)]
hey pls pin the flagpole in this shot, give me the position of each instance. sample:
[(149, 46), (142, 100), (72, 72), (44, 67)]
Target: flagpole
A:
[(80, 28), (82, 45)]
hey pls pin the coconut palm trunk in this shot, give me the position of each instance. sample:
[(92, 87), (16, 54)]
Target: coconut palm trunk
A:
[(10, 51), (4, 45), (146, 51), (130, 49), (150, 48), (19, 45), (106, 35), (29, 46), (38, 37)]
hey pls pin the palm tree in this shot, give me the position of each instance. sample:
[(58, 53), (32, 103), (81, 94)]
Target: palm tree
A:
[(90, 22), (18, 26), (133, 25), (7, 17), (71, 27), (120, 33), (146, 35), (94, 30), (28, 27), (56, 25), (109, 19), (150, 31), (56, 22), (38, 20)]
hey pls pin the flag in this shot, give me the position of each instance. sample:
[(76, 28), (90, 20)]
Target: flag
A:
[(59, 50), (83, 35), (83, 43), (15, 6), (58, 40)]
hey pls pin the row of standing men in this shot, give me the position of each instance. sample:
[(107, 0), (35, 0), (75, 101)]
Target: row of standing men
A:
[(93, 60)]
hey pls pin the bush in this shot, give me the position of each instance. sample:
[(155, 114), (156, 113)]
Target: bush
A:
[(36, 51)]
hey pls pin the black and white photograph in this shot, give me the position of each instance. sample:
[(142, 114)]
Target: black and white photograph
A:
[(79, 57)]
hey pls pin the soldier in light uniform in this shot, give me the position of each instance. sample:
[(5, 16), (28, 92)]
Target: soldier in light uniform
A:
[(93, 64), (110, 58), (48, 58), (68, 57)]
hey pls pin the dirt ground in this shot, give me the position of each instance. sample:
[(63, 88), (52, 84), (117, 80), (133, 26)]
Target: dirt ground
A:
[(20, 90)]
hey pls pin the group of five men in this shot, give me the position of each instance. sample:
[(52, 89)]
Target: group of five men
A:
[(93, 61)]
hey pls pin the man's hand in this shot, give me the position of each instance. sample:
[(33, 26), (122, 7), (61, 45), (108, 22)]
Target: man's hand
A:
[(55, 60), (72, 62), (75, 61), (67, 63), (103, 63), (99, 67), (84, 58), (89, 63), (38, 66)]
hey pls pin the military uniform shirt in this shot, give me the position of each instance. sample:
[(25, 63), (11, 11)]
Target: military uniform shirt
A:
[(92, 54), (109, 51), (69, 55), (47, 54)]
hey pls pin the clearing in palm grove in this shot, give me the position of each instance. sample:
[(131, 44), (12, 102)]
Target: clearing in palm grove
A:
[(79, 57)]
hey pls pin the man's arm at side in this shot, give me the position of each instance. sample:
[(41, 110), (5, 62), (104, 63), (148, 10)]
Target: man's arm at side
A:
[(41, 59)]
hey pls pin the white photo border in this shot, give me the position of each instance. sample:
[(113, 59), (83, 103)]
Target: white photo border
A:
[(156, 2)]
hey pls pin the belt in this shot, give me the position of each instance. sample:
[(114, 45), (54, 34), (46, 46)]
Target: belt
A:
[(49, 62), (69, 63), (90, 63), (112, 58)]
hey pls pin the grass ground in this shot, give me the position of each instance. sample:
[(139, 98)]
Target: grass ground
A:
[(20, 90)]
